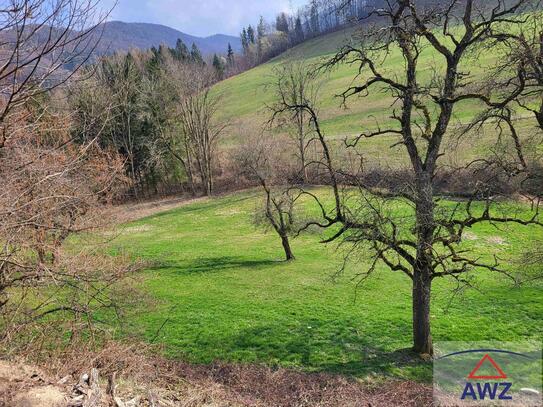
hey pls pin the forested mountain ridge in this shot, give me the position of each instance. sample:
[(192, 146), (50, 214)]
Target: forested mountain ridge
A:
[(121, 36)]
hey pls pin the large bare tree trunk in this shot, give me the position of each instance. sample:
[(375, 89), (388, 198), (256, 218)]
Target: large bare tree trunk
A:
[(422, 337), (208, 172), (191, 182), (423, 269), (189, 166)]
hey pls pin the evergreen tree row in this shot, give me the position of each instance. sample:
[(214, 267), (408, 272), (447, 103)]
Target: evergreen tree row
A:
[(318, 17), (180, 53)]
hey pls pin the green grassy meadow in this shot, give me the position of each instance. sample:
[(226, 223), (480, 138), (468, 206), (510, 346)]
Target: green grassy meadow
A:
[(222, 292)]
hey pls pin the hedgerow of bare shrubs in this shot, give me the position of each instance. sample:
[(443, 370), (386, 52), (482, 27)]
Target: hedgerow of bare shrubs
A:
[(54, 191)]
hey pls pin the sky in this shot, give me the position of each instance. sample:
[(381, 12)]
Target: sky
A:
[(200, 17)]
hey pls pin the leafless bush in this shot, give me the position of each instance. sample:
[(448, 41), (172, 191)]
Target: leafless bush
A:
[(50, 190), (261, 162), (42, 45)]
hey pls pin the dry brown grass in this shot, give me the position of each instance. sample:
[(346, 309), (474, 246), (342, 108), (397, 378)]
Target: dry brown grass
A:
[(138, 373), (173, 383), (138, 210)]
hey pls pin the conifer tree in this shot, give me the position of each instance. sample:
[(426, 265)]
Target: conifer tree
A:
[(244, 41), (261, 33), (181, 52), (251, 34), (314, 18), (230, 55), (281, 23), (219, 66), (298, 31), (154, 62), (261, 28), (196, 55)]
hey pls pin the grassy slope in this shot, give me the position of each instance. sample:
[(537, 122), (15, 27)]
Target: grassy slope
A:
[(223, 293), (246, 96)]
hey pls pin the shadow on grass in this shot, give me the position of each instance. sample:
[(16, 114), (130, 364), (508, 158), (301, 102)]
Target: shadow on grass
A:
[(311, 345), (342, 352), (402, 363), (212, 264)]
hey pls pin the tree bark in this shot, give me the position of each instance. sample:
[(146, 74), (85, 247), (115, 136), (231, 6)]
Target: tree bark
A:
[(301, 147), (422, 337), (286, 246), (422, 270), (189, 171)]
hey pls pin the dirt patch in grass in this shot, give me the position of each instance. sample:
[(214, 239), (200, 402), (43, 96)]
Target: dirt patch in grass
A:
[(470, 236), (497, 240), (138, 229)]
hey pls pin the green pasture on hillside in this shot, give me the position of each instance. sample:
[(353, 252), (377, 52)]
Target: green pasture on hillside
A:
[(245, 99), (222, 292)]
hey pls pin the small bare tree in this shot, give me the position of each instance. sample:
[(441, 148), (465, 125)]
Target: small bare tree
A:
[(295, 81), (260, 162), (171, 83)]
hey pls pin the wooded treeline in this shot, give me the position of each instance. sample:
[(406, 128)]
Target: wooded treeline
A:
[(266, 40), (161, 117)]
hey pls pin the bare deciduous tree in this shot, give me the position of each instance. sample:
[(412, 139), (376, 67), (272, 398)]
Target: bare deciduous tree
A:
[(426, 243), (260, 161), (295, 81), (122, 77), (524, 53), (42, 44), (200, 129)]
